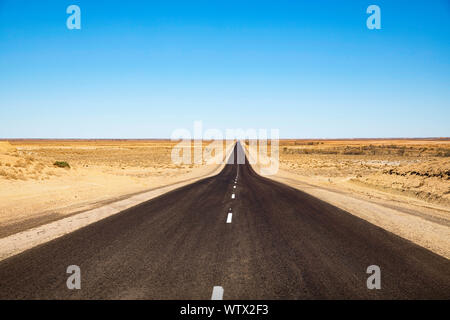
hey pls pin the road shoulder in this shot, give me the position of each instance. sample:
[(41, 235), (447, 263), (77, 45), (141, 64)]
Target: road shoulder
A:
[(425, 226), (21, 241)]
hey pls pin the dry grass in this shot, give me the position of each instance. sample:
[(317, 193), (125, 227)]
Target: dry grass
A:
[(33, 188), (416, 168), (139, 158)]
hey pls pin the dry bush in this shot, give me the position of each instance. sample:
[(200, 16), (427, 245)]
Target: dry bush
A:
[(20, 164), (39, 167), (12, 176), (61, 164)]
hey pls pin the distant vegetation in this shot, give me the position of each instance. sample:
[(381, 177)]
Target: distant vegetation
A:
[(384, 150), (61, 164)]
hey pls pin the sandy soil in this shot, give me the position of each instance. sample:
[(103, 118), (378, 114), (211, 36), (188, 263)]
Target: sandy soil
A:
[(419, 169), (34, 191), (402, 186)]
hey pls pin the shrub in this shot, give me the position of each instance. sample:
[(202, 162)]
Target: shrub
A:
[(61, 164)]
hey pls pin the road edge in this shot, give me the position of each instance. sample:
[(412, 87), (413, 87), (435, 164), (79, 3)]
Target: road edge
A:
[(19, 242)]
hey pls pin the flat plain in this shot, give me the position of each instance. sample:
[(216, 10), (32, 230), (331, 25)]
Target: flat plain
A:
[(400, 185), (45, 180), (416, 168)]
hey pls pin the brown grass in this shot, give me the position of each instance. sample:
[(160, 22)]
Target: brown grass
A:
[(131, 157), (416, 167)]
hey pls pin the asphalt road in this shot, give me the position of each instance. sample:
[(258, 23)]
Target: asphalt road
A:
[(281, 244)]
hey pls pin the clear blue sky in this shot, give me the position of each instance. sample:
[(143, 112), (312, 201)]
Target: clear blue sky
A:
[(140, 69)]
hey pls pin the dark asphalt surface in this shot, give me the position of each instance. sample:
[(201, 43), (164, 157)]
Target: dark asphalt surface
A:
[(281, 244)]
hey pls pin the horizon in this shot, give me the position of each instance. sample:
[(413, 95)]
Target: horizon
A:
[(281, 139)]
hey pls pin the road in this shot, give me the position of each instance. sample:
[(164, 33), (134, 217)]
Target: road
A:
[(279, 243)]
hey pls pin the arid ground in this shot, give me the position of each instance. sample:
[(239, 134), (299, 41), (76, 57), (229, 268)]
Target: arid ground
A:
[(35, 190), (249, 236), (401, 185), (419, 169)]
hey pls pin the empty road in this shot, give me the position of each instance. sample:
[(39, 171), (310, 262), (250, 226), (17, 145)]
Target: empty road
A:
[(256, 238)]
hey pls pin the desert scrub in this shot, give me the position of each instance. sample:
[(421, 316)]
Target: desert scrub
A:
[(39, 167), (20, 164), (61, 164)]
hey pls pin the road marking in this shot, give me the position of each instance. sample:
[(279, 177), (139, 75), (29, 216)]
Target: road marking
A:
[(234, 187), (232, 196), (230, 215), (217, 293)]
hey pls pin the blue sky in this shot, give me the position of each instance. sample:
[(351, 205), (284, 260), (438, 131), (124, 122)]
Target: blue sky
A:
[(141, 69)]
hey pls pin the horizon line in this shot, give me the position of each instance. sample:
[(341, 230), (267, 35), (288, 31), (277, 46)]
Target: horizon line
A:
[(148, 139)]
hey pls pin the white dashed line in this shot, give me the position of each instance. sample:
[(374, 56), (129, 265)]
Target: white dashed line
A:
[(233, 196), (217, 293), (230, 215), (234, 187)]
